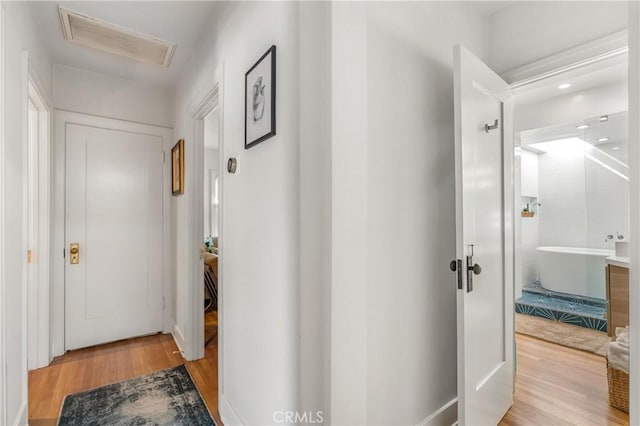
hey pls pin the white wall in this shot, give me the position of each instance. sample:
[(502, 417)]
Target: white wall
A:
[(411, 294), (20, 35), (528, 31), (260, 211), (89, 92), (315, 64)]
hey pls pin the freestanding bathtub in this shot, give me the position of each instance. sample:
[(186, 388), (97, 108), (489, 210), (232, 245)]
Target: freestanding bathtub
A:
[(573, 270)]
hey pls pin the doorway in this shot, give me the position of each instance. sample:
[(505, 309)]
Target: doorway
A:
[(203, 330), (572, 240), (133, 172), (211, 226), (594, 144)]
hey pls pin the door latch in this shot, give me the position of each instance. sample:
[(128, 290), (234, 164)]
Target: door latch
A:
[(472, 269), (456, 265)]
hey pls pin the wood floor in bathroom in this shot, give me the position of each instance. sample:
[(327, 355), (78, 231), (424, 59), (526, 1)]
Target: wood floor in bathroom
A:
[(556, 385)]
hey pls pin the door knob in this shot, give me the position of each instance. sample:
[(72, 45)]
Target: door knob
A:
[(477, 269), (74, 249)]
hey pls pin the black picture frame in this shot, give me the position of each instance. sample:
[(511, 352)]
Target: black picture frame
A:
[(250, 79)]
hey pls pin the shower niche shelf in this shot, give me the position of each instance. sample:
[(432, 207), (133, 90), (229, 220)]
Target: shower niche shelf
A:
[(529, 207)]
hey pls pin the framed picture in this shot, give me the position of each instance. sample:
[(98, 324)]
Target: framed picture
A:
[(260, 100), (177, 168)]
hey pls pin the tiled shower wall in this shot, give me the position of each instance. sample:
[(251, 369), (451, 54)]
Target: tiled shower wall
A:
[(582, 200), (529, 226)]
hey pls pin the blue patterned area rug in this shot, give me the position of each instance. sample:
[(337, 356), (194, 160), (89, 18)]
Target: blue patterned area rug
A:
[(167, 397)]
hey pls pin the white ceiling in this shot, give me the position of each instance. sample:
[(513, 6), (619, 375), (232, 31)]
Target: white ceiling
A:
[(181, 22), (488, 8)]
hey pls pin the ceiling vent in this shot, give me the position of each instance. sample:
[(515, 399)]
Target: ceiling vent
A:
[(112, 38)]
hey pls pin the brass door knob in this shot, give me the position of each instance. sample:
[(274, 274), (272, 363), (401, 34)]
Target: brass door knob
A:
[(74, 249)]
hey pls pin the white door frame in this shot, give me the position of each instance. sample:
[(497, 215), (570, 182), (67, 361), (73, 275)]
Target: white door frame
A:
[(39, 354), (62, 118), (3, 318), (634, 168), (206, 101), (609, 49)]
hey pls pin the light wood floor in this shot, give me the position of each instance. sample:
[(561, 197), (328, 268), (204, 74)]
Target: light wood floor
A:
[(97, 366), (556, 385)]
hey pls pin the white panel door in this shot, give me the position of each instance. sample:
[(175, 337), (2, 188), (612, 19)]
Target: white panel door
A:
[(113, 212), (484, 237)]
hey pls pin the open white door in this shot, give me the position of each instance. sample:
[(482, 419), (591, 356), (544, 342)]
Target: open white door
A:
[(484, 241)]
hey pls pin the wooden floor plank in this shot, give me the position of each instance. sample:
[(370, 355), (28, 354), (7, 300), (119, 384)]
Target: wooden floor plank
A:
[(557, 385), (97, 366)]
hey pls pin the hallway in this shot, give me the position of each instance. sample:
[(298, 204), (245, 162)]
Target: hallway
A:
[(114, 362)]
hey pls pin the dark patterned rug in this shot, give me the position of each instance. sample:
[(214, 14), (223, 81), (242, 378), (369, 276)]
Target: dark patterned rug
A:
[(167, 397)]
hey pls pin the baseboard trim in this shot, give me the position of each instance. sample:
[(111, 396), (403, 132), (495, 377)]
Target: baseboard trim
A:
[(445, 415), (178, 338), (21, 416), (227, 414)]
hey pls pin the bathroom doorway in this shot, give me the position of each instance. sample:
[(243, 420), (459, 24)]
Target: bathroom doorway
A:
[(572, 210)]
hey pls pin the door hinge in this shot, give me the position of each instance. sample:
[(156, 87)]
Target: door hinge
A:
[(164, 304), (163, 157), (64, 253), (29, 256)]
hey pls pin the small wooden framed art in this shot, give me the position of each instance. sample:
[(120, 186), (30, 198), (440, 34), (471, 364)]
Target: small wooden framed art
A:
[(177, 168)]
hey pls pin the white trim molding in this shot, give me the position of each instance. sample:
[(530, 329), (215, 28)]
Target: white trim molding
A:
[(634, 168), (178, 338), (445, 415), (21, 416), (206, 101), (606, 48), (58, 226), (228, 415), (3, 319), (38, 303)]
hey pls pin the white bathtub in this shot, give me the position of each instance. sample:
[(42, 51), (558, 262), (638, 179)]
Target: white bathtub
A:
[(573, 270)]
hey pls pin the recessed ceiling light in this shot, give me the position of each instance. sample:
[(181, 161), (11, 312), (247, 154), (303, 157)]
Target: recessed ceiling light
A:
[(568, 145), (616, 147), (604, 118), (603, 139), (564, 86), (582, 126)]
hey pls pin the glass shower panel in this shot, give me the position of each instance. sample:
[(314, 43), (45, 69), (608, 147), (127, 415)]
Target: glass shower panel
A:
[(607, 181)]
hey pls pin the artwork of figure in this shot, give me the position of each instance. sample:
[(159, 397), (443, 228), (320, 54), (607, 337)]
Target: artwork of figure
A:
[(258, 99)]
